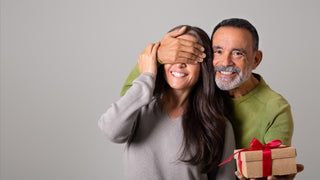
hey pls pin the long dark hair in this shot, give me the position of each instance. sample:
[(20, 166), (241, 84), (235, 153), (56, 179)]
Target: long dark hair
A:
[(205, 117)]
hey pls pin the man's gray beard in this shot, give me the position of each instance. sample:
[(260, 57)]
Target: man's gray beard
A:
[(227, 84)]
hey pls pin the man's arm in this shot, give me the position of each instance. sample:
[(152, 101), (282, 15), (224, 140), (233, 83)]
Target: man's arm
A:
[(132, 76), (282, 125)]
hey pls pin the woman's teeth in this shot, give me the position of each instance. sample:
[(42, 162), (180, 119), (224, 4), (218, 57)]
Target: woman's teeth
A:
[(176, 74)]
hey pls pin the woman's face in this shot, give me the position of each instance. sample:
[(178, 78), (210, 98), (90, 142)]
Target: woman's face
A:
[(182, 76)]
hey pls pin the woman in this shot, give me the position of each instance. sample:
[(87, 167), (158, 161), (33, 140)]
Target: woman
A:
[(172, 119)]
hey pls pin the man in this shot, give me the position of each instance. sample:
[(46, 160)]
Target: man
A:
[(259, 112)]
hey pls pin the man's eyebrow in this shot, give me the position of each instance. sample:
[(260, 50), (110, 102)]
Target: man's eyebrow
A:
[(240, 49), (217, 47)]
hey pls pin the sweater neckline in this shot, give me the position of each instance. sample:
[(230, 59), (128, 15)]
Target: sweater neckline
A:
[(261, 84)]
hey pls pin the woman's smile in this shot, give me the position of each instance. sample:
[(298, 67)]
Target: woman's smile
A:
[(178, 74)]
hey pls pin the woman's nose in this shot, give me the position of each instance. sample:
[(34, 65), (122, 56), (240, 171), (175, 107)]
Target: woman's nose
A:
[(182, 65)]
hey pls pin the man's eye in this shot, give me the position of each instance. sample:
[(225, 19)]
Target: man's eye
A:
[(237, 53), (217, 52)]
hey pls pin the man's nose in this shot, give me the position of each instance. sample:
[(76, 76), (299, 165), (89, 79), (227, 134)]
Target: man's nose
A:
[(226, 60)]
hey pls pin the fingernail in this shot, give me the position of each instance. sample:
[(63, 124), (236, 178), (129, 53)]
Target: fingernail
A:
[(200, 59), (203, 55), (202, 48)]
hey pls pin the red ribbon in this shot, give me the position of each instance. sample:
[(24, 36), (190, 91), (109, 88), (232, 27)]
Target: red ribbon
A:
[(266, 158)]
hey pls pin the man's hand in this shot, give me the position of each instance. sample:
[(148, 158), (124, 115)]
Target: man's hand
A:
[(175, 50), (148, 60), (300, 168)]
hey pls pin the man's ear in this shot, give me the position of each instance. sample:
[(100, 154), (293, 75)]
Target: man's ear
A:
[(257, 59)]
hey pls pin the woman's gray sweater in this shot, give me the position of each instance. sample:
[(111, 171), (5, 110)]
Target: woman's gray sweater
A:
[(153, 140)]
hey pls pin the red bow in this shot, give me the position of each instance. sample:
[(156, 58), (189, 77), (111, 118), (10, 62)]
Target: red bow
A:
[(266, 149)]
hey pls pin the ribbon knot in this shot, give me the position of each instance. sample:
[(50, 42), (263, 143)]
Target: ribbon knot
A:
[(257, 145)]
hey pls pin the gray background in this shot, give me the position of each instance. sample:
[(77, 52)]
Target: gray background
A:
[(63, 63)]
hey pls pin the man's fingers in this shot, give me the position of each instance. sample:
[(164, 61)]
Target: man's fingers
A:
[(300, 167), (181, 31), (185, 60), (239, 176), (191, 44), (192, 62), (177, 32), (191, 52), (189, 56)]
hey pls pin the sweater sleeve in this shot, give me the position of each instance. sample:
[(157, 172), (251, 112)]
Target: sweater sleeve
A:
[(226, 171), (118, 121), (132, 76), (281, 127)]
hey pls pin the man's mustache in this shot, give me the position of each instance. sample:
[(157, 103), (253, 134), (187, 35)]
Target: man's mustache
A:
[(228, 68)]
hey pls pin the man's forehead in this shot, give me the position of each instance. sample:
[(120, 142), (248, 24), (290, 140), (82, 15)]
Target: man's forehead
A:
[(232, 36)]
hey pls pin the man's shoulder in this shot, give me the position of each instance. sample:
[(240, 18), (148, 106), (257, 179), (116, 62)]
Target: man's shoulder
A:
[(269, 96)]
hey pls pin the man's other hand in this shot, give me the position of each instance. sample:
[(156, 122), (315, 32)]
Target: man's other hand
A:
[(300, 168)]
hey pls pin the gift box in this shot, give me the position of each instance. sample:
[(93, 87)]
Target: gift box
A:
[(265, 160)]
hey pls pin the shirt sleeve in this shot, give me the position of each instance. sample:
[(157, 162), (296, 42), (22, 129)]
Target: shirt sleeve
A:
[(226, 171), (132, 76), (282, 125), (118, 121)]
